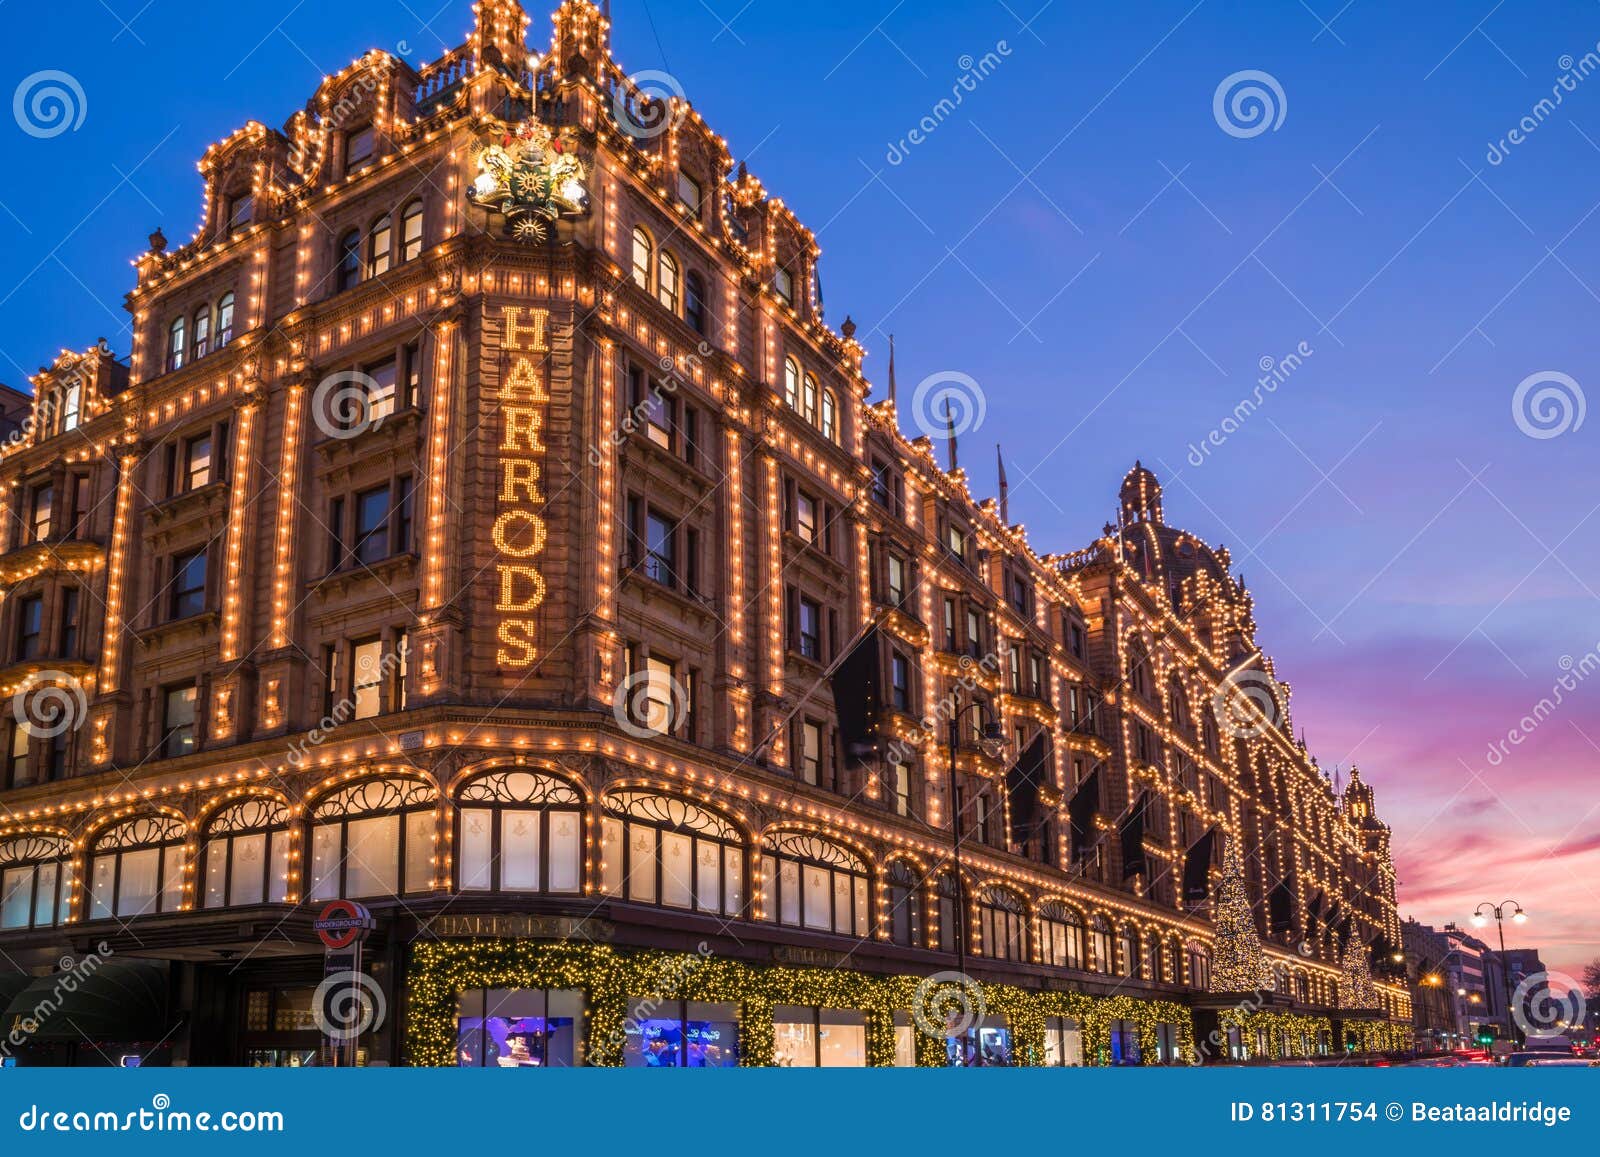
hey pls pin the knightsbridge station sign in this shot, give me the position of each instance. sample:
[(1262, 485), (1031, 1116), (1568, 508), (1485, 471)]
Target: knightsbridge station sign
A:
[(519, 528)]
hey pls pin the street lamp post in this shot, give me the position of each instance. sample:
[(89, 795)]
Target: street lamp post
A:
[(1518, 916)]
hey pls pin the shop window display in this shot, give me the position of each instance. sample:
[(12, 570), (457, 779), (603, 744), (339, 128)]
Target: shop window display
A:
[(827, 1038), (671, 1034), (519, 1028), (988, 1045), (1063, 1042)]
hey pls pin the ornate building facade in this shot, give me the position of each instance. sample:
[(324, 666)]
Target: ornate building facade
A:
[(487, 526)]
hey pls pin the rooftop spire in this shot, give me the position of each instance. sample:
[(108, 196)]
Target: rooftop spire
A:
[(950, 428), (891, 370), (1005, 487)]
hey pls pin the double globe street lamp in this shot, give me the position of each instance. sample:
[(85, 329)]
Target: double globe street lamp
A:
[(1518, 916)]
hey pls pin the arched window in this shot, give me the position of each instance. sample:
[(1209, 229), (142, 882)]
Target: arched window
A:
[(35, 881), (791, 383), (810, 882), (201, 343), (177, 343), (830, 416), (1060, 935), (905, 905), (411, 232), (1002, 925), (348, 274), (373, 838), (225, 319), (667, 281), (951, 919), (694, 302), (1199, 965), (136, 867), (643, 250), (1128, 950), (1150, 958), (246, 856), (378, 248), (663, 850), (808, 404), (1100, 943), (519, 831)]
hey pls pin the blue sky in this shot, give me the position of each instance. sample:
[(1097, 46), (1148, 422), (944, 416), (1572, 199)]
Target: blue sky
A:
[(1083, 239)]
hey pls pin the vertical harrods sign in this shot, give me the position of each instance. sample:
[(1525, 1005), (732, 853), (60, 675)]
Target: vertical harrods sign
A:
[(519, 527)]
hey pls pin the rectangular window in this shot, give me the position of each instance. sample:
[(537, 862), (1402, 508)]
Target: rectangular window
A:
[(382, 391), (336, 553), (188, 584), (367, 667), (657, 408), (197, 462), (783, 283), (30, 626), (358, 145), (805, 516), (661, 555), (660, 679), (177, 720), (897, 580), (39, 513), (974, 633), (950, 625), (17, 756), (69, 623), (240, 209), (78, 526), (900, 683), (810, 629), (811, 752), (902, 789), (372, 525), (689, 192)]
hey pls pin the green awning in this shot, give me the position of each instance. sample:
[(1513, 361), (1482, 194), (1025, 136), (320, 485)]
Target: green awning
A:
[(112, 1000)]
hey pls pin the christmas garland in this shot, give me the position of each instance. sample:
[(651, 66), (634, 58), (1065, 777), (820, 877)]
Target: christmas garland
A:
[(442, 970), (1298, 1031)]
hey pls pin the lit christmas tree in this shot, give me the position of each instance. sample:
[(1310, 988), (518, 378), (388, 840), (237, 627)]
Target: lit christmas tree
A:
[(1240, 963), (1356, 989)]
